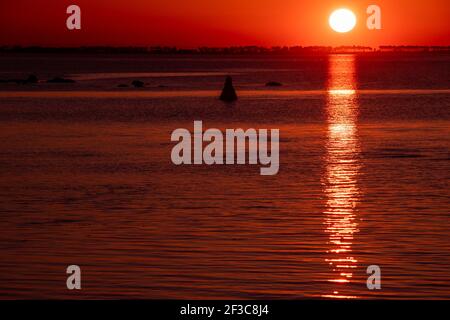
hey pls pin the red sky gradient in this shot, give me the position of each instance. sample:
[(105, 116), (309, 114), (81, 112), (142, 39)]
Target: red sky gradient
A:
[(192, 23)]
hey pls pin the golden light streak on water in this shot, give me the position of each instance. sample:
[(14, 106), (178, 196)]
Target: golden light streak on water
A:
[(341, 176)]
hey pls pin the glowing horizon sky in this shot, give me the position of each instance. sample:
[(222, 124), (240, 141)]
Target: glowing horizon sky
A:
[(220, 23)]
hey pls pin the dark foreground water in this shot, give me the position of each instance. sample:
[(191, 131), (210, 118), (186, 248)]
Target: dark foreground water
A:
[(86, 178)]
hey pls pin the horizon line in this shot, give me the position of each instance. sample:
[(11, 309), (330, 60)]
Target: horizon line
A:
[(247, 49)]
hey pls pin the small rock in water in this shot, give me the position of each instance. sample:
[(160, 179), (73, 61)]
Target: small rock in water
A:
[(273, 84), (60, 80), (228, 92), (137, 84), (32, 79)]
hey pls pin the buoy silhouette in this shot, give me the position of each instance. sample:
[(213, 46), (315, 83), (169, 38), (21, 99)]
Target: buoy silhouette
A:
[(228, 92)]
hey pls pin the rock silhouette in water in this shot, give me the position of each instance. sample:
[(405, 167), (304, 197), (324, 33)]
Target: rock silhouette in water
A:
[(137, 84), (31, 79), (228, 92), (60, 80), (273, 84)]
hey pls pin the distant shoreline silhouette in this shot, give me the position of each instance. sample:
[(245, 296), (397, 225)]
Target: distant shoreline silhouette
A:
[(240, 50)]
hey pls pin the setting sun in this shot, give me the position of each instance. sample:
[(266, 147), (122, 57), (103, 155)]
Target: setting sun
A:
[(342, 20)]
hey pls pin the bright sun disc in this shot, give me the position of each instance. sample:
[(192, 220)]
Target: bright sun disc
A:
[(342, 20)]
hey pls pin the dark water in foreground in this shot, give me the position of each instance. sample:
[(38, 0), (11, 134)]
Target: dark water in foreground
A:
[(86, 179)]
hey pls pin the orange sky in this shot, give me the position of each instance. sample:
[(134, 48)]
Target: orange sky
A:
[(192, 23)]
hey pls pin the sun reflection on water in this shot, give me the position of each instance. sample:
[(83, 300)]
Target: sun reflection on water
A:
[(342, 168)]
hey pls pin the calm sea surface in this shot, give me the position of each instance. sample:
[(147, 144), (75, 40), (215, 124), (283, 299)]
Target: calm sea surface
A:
[(86, 178)]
